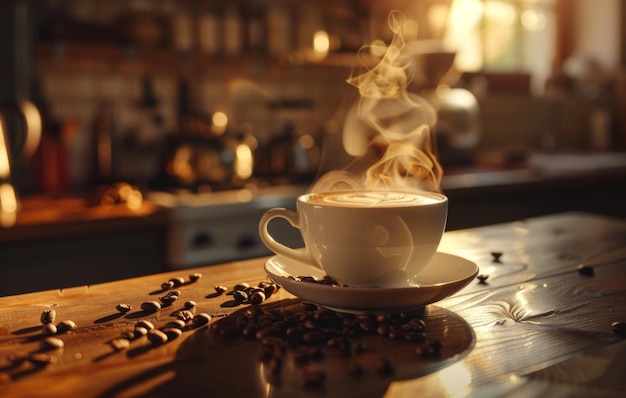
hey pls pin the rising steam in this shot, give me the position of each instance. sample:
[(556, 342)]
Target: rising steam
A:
[(387, 130)]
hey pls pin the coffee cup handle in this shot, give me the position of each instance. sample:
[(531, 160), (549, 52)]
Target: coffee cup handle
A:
[(277, 247)]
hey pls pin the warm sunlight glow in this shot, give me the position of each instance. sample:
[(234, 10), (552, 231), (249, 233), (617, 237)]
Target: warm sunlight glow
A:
[(456, 379), (533, 20), (244, 163), (220, 122), (321, 43)]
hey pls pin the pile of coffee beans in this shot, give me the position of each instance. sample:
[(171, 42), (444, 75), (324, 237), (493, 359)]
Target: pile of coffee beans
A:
[(309, 332)]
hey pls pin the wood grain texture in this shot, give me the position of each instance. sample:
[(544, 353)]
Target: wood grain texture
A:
[(534, 326)]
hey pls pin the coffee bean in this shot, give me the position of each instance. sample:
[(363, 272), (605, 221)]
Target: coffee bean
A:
[(219, 289), (177, 323), (48, 316), (168, 299), (257, 297), (336, 342), (49, 329), (156, 337), (120, 344), (496, 256), (201, 319), (167, 285), (66, 326), (185, 315), (123, 308), (250, 330), (241, 286), (619, 328), (140, 331), (176, 293), (585, 270), (150, 306), (190, 304), (309, 306), (144, 324), (482, 278), (172, 333), (51, 343), (269, 290), (178, 281), (383, 329), (269, 331), (396, 334), (240, 296), (195, 276)]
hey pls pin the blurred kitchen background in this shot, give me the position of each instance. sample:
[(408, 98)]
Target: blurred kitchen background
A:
[(140, 136)]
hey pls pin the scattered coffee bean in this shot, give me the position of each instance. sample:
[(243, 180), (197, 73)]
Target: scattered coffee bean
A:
[(185, 315), (257, 297), (140, 331), (120, 344), (49, 329), (201, 319), (586, 270), (429, 349), (156, 337), (496, 256), (176, 323), (168, 299), (482, 278), (190, 304), (51, 343), (178, 281), (240, 296), (123, 308), (241, 286), (48, 316), (167, 285), (195, 276), (151, 306), (219, 289), (66, 326), (41, 359), (619, 328), (172, 333), (144, 324)]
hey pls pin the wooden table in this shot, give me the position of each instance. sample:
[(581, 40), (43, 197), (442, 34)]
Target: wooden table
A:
[(537, 326)]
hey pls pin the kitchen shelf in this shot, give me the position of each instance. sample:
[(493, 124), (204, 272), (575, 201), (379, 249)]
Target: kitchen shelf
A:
[(70, 57)]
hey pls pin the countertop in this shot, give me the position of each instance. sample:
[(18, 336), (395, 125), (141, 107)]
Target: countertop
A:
[(536, 325)]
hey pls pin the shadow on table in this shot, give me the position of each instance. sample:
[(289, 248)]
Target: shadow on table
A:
[(216, 364)]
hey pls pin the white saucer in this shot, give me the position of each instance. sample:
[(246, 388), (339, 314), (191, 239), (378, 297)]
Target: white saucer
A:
[(445, 275)]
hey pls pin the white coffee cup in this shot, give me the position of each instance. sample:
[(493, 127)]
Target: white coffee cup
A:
[(364, 238)]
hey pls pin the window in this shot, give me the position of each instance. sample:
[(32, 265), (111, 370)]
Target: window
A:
[(502, 36)]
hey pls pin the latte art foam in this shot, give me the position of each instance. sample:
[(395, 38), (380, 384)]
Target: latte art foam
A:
[(372, 199)]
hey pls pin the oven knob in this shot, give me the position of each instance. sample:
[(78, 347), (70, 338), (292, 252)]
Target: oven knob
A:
[(246, 242), (201, 240)]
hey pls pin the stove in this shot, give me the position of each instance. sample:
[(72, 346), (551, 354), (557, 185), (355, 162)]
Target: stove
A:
[(209, 228)]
